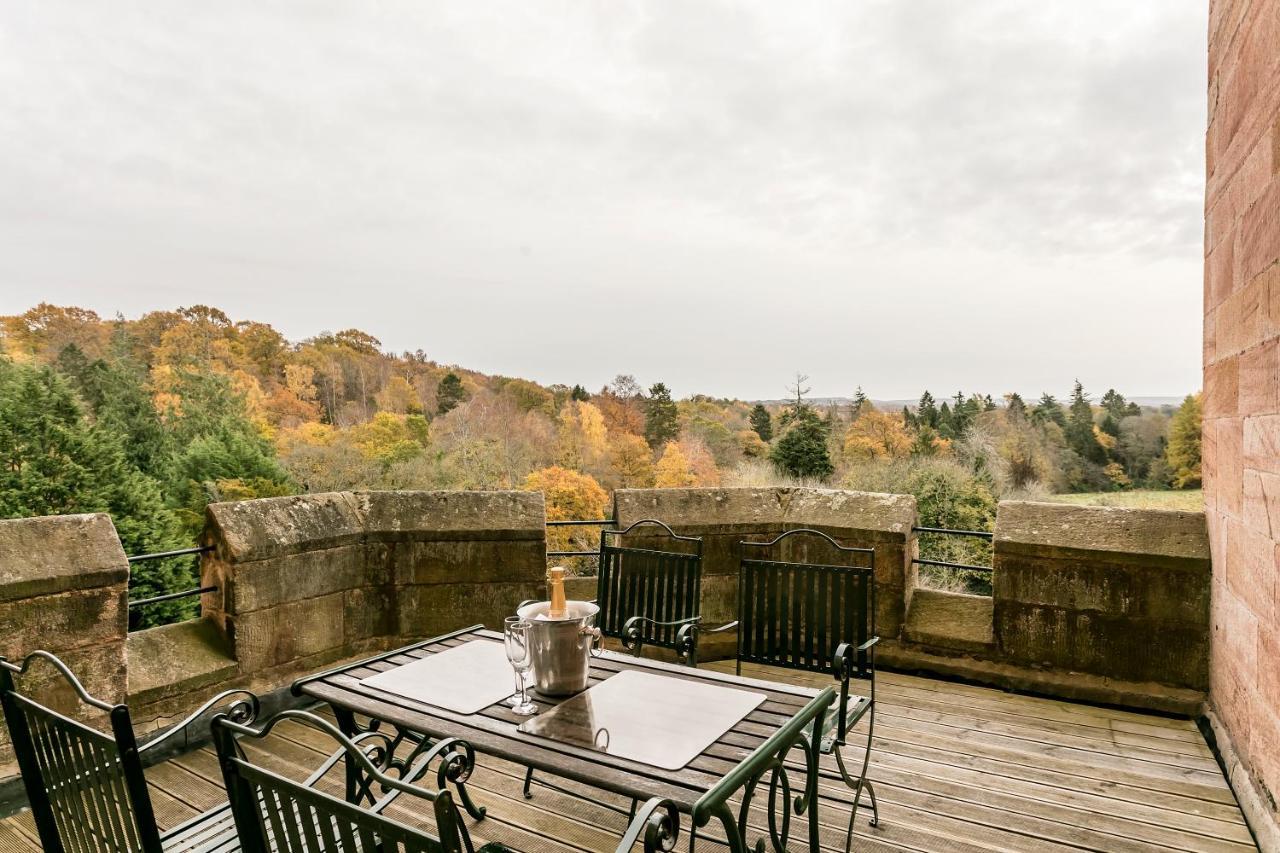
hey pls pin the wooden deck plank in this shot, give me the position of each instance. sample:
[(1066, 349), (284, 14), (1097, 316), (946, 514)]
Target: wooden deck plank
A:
[(958, 768)]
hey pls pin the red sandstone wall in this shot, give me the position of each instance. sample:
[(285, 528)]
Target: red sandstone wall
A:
[(1242, 384)]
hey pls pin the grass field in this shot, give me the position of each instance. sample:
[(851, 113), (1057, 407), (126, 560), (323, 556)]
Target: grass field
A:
[(1190, 499)]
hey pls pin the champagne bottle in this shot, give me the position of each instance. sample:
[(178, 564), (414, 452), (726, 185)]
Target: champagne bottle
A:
[(555, 593)]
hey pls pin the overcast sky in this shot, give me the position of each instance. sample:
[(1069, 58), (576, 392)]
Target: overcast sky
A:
[(986, 196)]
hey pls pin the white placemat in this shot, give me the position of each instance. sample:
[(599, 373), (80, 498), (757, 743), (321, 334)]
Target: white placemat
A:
[(465, 679), (659, 720)]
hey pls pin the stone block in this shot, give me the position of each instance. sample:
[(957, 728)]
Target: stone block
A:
[(369, 613), (1259, 379), (307, 574), (248, 531), (950, 620), (1261, 446), (278, 635), (1115, 592), (172, 660), (469, 561), (425, 611), (1221, 388), (65, 621), (452, 515), (1147, 537), (52, 554)]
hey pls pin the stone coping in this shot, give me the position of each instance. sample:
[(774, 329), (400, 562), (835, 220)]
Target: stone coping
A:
[(1154, 537), (51, 554), (730, 510), (269, 528)]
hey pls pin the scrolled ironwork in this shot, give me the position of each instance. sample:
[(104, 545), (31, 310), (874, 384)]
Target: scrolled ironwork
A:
[(243, 711), (657, 822), (801, 732)]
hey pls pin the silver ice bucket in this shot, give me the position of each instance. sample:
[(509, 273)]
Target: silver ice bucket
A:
[(561, 648)]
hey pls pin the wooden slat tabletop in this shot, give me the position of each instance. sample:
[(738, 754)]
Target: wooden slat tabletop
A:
[(493, 731)]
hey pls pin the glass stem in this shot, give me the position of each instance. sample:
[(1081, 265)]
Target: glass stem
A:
[(524, 691)]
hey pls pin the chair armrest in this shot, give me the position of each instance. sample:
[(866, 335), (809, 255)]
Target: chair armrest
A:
[(868, 644), (728, 626), (636, 620), (243, 711), (657, 822)]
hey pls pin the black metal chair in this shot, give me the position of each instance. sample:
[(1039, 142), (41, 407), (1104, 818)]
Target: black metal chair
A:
[(648, 596), (86, 788), (817, 617), (273, 812)]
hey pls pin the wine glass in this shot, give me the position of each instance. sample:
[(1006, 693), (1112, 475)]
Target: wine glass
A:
[(516, 639)]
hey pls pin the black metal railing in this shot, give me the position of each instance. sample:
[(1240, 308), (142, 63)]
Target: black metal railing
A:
[(602, 522), (980, 579), (170, 596)]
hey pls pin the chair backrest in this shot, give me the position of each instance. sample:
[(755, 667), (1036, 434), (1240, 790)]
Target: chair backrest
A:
[(86, 789), (794, 614), (641, 576), (273, 812)]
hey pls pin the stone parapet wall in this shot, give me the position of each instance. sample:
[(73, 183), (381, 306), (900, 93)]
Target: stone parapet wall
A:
[(1121, 593), (726, 517), (63, 588), (322, 576)]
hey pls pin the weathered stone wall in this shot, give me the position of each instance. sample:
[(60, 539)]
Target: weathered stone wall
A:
[(309, 579), (1120, 593), (725, 517), (63, 587), (1242, 393)]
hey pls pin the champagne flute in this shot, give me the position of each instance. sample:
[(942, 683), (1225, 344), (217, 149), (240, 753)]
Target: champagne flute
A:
[(516, 640)]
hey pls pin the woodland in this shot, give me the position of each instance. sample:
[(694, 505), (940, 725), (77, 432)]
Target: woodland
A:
[(151, 419)]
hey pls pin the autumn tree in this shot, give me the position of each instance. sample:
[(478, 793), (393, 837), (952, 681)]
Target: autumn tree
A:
[(876, 435), (1183, 452), (762, 422), (661, 422), (569, 496), (632, 460), (449, 393), (674, 470)]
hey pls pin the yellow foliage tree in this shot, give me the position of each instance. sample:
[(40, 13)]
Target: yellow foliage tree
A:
[(569, 496), (583, 437), (632, 460), (877, 435), (674, 470), (387, 438), (398, 397)]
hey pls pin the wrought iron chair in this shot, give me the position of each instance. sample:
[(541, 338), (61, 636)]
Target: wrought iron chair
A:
[(647, 596), (273, 812), (817, 617), (86, 788)]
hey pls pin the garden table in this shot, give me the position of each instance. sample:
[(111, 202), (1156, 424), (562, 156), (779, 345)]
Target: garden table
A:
[(758, 749)]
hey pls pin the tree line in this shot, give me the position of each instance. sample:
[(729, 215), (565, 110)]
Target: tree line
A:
[(151, 419)]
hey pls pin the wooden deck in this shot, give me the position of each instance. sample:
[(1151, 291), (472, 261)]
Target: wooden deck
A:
[(957, 768)]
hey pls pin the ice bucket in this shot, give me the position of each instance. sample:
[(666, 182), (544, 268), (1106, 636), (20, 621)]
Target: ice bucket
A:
[(561, 647)]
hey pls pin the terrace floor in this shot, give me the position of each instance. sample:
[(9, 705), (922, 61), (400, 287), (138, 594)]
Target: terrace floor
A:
[(956, 767)]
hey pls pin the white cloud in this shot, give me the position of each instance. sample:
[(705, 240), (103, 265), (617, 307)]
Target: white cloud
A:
[(988, 195)]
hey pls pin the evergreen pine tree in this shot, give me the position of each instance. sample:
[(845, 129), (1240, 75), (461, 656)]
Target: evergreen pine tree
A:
[(1048, 411), (761, 422), (909, 418), (946, 424), (859, 401), (1079, 431), (449, 393), (661, 417), (579, 394), (1016, 407), (927, 410), (802, 451), (56, 463)]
